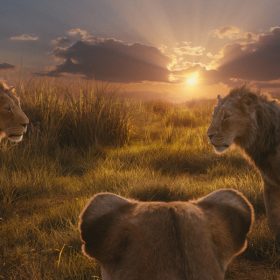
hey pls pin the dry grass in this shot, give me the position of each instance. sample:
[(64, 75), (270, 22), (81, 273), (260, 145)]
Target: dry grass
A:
[(83, 141)]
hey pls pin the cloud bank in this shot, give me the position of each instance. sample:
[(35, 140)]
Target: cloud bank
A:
[(112, 60), (6, 66), (255, 61), (258, 61), (247, 57)]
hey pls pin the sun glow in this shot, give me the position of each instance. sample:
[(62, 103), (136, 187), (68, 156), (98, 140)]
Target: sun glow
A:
[(192, 79)]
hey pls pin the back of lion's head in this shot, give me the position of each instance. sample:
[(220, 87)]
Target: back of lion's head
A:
[(13, 121), (193, 240)]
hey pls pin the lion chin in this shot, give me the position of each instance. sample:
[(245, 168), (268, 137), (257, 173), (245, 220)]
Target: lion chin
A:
[(15, 138), (2, 135), (221, 148)]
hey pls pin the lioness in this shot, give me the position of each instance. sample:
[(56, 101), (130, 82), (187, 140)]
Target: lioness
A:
[(193, 240), (252, 121), (13, 121)]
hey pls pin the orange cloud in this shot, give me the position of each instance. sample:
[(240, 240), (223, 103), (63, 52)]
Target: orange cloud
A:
[(229, 32), (24, 37)]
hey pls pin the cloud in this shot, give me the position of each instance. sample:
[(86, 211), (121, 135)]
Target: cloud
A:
[(24, 37), (61, 41), (233, 33), (112, 60), (229, 32), (73, 35), (80, 34), (6, 66), (258, 61), (183, 55), (186, 48)]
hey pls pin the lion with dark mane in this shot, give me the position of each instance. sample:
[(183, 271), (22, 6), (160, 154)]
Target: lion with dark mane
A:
[(252, 121)]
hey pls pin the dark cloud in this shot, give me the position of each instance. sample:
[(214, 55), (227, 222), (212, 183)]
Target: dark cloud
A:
[(112, 60), (259, 61), (6, 66)]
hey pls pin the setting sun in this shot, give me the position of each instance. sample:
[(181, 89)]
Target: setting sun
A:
[(192, 79)]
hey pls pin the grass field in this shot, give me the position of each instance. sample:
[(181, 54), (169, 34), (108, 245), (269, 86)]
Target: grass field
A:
[(83, 140)]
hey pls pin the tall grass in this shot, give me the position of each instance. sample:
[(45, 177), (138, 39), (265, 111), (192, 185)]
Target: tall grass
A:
[(83, 140), (78, 117)]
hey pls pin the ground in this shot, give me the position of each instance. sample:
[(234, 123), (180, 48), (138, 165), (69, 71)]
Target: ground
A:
[(80, 146)]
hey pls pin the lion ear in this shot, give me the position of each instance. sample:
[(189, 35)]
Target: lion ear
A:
[(100, 225), (12, 90), (3, 86), (230, 217)]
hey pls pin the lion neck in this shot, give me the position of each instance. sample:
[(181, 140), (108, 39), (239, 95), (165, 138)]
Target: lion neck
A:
[(262, 137)]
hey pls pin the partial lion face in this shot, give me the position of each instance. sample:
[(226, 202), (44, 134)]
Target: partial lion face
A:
[(13, 121), (230, 121)]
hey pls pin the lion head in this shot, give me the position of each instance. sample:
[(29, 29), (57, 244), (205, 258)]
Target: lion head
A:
[(234, 119), (13, 121), (136, 240)]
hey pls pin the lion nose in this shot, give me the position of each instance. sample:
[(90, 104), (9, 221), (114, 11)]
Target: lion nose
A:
[(25, 122)]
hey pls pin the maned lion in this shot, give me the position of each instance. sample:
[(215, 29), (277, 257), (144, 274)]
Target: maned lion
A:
[(193, 240), (13, 121), (252, 121)]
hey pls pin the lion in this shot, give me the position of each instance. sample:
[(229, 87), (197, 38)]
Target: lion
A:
[(252, 121), (13, 121), (194, 240)]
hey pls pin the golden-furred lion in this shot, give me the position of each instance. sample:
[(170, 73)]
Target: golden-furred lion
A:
[(252, 121), (13, 121), (194, 240)]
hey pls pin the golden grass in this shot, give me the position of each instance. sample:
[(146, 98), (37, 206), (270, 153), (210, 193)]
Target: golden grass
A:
[(83, 141)]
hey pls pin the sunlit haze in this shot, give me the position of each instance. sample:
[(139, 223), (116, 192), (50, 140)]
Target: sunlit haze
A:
[(192, 79), (175, 50)]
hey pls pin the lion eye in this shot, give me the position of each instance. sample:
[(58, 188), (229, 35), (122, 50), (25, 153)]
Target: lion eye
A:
[(227, 116), (8, 108)]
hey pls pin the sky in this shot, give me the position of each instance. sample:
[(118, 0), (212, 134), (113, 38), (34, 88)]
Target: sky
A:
[(179, 49)]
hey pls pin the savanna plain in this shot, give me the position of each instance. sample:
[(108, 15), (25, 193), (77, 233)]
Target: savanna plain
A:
[(84, 139)]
